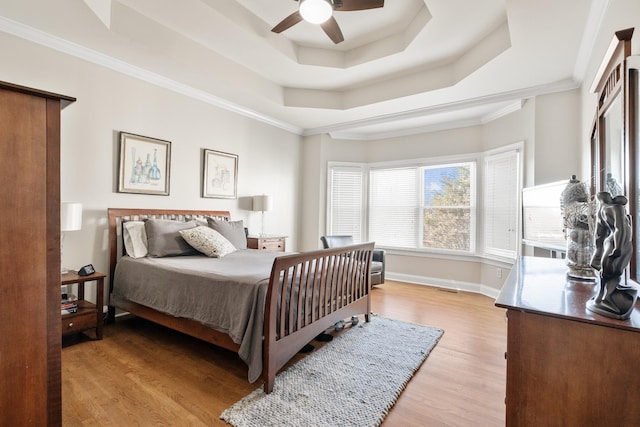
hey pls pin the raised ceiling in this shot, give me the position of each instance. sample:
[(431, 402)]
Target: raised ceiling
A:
[(412, 66)]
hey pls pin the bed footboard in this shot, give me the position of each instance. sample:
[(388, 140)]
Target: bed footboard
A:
[(308, 293)]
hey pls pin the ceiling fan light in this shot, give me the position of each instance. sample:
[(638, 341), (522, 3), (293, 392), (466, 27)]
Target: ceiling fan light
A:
[(315, 11)]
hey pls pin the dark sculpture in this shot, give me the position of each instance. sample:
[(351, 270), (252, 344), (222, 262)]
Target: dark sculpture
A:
[(611, 257)]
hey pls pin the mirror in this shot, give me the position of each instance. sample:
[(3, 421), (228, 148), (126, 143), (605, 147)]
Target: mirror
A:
[(608, 139), (613, 136), (633, 132), (613, 131)]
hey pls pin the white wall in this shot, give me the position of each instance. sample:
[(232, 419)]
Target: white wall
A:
[(109, 102)]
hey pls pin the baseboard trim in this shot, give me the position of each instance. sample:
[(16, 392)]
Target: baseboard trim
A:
[(456, 285)]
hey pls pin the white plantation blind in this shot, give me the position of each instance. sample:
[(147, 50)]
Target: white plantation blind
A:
[(394, 207), (501, 203), (345, 210)]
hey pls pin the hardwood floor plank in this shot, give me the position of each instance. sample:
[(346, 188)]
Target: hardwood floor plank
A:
[(144, 374)]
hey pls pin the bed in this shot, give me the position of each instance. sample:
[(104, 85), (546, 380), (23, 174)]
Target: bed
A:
[(265, 306)]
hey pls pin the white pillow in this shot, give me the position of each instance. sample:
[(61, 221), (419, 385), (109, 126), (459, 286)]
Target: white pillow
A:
[(208, 241), (135, 239)]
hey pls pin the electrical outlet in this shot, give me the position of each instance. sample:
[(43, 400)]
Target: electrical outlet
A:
[(499, 273)]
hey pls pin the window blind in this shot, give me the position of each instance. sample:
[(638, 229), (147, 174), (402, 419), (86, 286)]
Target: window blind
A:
[(501, 203), (345, 210), (393, 212)]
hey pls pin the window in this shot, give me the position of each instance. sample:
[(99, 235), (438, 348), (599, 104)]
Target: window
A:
[(430, 205), (502, 186), (423, 207), (393, 207), (449, 207), (345, 205)]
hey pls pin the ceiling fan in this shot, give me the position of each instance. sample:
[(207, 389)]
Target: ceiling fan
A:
[(321, 12)]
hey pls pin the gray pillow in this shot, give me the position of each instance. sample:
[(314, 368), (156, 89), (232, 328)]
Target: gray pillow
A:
[(164, 239), (233, 231)]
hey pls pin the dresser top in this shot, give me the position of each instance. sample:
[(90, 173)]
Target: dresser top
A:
[(540, 285)]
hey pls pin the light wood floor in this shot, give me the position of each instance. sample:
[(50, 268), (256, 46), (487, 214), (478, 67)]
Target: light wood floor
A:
[(143, 374)]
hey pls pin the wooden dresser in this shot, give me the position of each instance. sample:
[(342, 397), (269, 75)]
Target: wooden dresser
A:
[(30, 347), (566, 366)]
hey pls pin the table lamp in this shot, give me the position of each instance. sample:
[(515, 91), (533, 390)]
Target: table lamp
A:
[(262, 204), (70, 220)]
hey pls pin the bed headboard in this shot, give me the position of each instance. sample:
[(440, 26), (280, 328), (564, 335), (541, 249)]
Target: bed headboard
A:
[(119, 215)]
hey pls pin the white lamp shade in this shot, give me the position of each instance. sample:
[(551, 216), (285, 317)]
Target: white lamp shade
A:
[(262, 203), (315, 11), (70, 216)]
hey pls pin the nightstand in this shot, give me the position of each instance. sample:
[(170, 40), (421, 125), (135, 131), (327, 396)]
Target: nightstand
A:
[(89, 315), (266, 243)]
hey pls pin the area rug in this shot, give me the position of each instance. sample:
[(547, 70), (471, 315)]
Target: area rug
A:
[(352, 381)]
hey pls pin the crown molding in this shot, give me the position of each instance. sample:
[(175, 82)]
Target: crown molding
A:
[(73, 49)]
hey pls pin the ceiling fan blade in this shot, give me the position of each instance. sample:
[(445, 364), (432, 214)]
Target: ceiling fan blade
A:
[(288, 22), (351, 5), (333, 30)]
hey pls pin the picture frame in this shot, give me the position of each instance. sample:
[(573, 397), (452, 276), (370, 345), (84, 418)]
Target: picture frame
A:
[(145, 165), (220, 175)]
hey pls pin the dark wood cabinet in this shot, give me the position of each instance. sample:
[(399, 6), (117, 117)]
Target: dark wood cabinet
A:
[(30, 256), (566, 366)]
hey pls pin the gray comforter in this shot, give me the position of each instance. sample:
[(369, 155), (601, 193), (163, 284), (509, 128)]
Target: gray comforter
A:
[(227, 294)]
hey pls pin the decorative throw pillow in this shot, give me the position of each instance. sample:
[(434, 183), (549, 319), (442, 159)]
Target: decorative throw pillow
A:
[(233, 231), (135, 239), (208, 241), (164, 239)]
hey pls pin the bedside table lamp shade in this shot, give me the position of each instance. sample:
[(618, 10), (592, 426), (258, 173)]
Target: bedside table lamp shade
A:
[(70, 216), (70, 220), (262, 204)]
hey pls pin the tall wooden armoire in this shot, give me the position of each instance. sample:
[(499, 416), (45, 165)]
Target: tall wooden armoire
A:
[(30, 339)]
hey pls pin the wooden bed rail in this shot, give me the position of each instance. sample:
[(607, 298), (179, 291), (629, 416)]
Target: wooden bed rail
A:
[(308, 293)]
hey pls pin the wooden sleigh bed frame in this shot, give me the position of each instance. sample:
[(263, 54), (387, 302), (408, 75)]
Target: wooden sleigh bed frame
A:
[(307, 292)]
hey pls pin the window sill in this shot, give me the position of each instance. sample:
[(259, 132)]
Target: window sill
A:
[(504, 262)]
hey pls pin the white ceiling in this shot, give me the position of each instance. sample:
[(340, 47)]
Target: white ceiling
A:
[(411, 66)]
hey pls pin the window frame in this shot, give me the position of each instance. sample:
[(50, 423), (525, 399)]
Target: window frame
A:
[(498, 253), (473, 206), (363, 197)]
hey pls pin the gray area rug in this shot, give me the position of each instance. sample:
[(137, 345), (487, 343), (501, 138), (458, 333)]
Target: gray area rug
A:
[(352, 381)]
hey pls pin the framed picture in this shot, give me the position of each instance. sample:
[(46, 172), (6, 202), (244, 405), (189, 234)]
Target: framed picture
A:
[(220, 175), (145, 164)]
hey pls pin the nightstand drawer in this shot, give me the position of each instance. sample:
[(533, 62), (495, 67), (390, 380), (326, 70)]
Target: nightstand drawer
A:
[(78, 322), (271, 244)]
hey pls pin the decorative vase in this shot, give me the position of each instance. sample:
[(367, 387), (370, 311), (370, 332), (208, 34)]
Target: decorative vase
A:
[(578, 218)]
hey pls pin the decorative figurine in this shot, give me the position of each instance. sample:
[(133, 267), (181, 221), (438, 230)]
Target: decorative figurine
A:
[(611, 257), (577, 215)]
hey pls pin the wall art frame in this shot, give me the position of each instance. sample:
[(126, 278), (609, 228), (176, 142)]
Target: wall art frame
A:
[(145, 165), (219, 175)]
